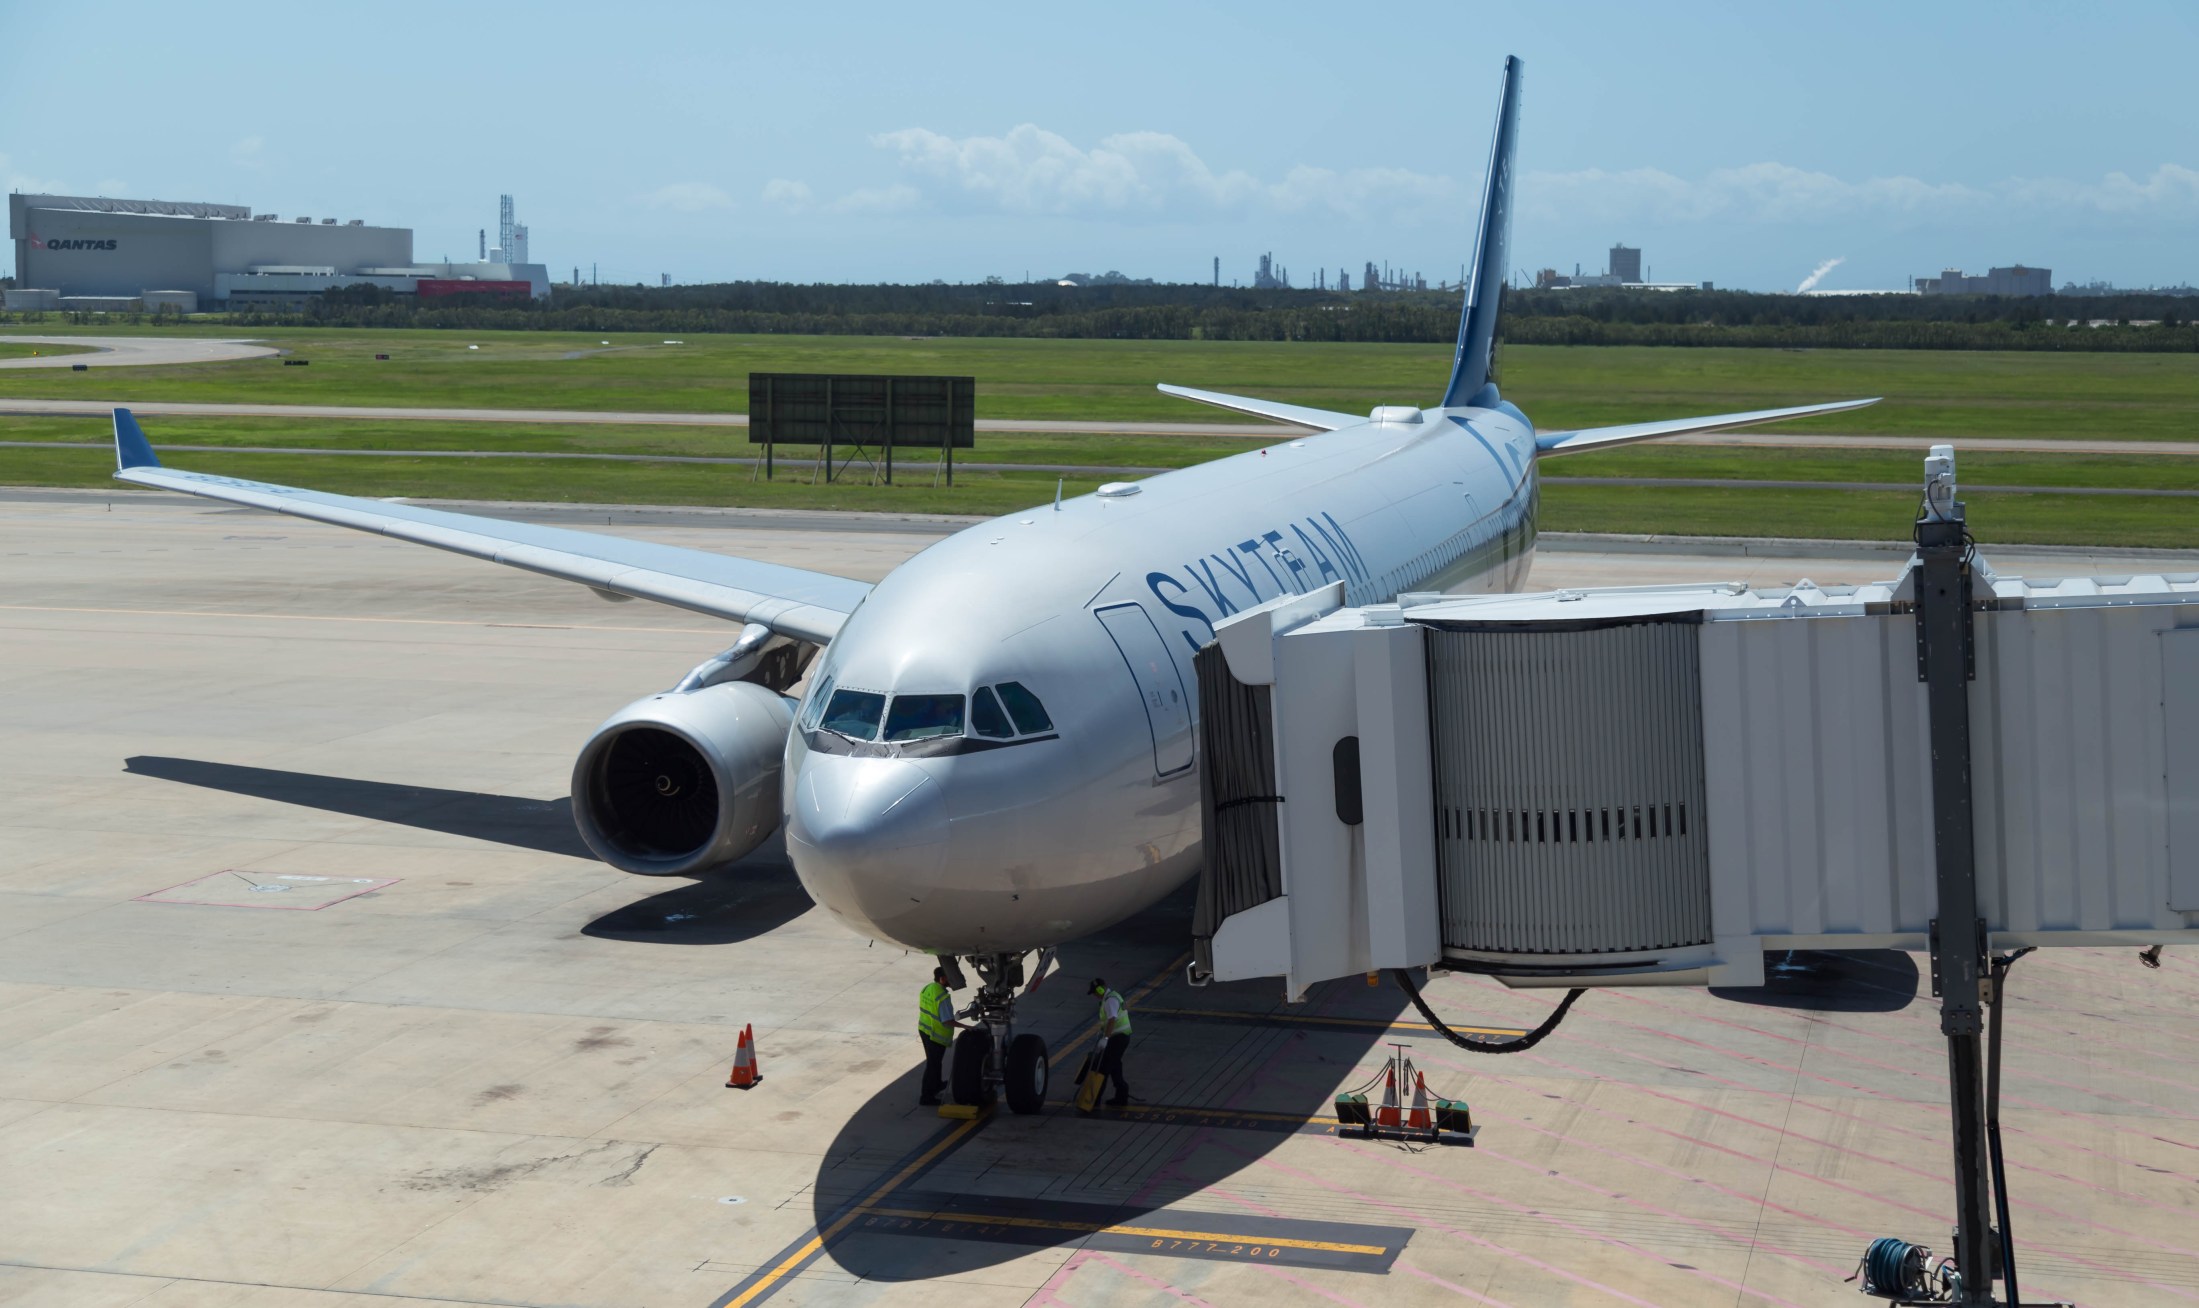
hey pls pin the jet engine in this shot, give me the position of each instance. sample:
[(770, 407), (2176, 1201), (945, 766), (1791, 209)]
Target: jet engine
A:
[(688, 780)]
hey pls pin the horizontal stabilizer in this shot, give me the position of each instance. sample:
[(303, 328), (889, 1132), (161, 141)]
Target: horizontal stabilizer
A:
[(1599, 438), (1318, 419)]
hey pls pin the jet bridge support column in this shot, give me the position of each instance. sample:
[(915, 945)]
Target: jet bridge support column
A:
[(1945, 665)]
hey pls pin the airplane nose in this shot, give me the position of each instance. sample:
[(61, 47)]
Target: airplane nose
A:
[(868, 836)]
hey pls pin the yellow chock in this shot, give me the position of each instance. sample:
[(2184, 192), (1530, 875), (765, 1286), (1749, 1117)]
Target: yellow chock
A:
[(963, 1112)]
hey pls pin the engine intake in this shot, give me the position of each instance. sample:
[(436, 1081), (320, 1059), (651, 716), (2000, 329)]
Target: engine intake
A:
[(683, 781)]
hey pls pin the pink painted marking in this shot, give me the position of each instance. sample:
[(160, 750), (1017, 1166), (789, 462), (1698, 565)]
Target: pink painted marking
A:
[(1154, 1281), (1581, 1231), (1453, 1286), (1418, 1219)]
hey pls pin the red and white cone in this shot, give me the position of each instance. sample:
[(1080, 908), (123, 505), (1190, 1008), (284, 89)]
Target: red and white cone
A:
[(1387, 1114), (1420, 1119), (744, 1072)]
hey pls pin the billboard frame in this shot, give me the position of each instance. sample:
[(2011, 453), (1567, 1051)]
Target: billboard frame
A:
[(859, 411)]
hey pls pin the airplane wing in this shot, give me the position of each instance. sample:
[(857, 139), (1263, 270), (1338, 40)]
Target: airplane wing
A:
[(1599, 438), (1318, 419), (791, 601)]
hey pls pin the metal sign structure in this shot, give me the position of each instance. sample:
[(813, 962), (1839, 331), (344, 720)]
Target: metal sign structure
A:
[(858, 413)]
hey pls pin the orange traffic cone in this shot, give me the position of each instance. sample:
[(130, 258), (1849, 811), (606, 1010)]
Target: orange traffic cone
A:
[(1420, 1119), (1387, 1114), (744, 1072)]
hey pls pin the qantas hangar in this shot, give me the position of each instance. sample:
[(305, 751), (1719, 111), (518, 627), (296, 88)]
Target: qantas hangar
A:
[(84, 252)]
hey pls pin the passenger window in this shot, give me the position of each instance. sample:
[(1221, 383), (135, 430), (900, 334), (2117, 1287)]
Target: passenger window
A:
[(854, 714), (923, 717), (1030, 715), (987, 717)]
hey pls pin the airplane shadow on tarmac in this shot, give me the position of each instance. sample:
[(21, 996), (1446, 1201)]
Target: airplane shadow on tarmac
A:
[(1228, 1073), (1223, 1074), (748, 899)]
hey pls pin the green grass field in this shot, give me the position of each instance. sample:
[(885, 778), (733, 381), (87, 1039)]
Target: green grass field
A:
[(31, 349), (1934, 394), (1928, 393)]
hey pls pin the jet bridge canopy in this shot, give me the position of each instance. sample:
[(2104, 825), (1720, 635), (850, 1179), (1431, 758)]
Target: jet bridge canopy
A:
[(1658, 784)]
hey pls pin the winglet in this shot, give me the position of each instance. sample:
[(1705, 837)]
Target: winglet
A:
[(132, 450)]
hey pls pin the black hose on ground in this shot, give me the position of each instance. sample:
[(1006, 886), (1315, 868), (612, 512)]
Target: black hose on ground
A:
[(1481, 1044)]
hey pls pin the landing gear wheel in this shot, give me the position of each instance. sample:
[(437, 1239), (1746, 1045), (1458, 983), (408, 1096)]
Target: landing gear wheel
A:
[(972, 1050), (1026, 1074)]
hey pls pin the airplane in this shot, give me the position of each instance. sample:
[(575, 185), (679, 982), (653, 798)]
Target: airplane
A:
[(995, 751)]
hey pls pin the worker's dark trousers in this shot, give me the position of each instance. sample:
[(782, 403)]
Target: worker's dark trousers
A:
[(935, 1057), (1111, 1066)]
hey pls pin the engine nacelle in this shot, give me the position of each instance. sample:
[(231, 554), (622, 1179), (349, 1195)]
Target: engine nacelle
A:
[(683, 781)]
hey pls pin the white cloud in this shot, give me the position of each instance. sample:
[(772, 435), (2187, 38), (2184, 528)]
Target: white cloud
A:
[(1781, 194), (877, 199), (15, 181), (251, 152), (688, 197), (793, 196), (1032, 170)]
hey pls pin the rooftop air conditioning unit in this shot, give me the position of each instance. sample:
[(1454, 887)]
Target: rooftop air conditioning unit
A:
[(264, 217), (328, 222), (356, 222), (305, 220)]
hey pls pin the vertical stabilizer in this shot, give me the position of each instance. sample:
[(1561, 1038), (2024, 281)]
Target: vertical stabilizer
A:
[(1477, 323)]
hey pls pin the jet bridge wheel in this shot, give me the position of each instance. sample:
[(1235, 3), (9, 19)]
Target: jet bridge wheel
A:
[(1027, 1073), (966, 1078)]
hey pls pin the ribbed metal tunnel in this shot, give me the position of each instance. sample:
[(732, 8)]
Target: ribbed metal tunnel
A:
[(1569, 788)]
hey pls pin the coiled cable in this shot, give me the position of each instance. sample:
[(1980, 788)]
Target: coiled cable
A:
[(1481, 1044)]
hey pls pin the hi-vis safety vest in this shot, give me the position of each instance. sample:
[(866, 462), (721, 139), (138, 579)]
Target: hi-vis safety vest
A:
[(927, 1015), (1122, 1012)]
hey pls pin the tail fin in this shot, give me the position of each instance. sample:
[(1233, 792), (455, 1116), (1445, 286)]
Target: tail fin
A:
[(1471, 371), (132, 450)]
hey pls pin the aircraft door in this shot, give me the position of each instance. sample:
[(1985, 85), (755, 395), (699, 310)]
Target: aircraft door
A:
[(1160, 685)]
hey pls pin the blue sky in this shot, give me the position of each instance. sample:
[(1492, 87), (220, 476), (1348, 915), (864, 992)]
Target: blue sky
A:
[(1742, 144)]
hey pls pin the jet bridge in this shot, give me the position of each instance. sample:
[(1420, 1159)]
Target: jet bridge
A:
[(1657, 785)]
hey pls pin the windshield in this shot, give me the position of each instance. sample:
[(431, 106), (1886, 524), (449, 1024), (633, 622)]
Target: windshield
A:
[(986, 716), (854, 714), (1023, 706), (921, 717)]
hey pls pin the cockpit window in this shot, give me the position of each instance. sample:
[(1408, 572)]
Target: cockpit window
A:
[(815, 709), (987, 717), (854, 714), (922, 717), (1030, 715)]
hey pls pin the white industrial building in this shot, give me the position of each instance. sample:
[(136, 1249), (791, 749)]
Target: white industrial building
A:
[(97, 253)]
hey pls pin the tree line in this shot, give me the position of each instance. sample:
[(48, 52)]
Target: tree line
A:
[(1146, 311)]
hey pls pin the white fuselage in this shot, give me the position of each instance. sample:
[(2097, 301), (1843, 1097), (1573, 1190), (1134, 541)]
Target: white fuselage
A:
[(972, 845)]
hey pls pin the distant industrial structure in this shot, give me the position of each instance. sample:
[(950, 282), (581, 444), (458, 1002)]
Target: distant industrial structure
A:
[(94, 253), (2016, 281), (1271, 276), (1622, 268)]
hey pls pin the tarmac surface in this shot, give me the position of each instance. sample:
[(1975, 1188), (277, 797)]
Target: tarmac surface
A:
[(135, 351), (471, 1065)]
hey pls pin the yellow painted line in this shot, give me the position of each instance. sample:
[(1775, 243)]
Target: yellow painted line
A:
[(315, 617), (1103, 1228), (817, 1241), (1363, 1023), (900, 1178)]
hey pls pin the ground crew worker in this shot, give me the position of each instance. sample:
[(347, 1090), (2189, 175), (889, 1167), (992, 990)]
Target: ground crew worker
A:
[(1115, 1026), (935, 1026)]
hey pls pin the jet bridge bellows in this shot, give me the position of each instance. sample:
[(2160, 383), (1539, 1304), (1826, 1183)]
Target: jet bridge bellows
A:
[(1645, 785)]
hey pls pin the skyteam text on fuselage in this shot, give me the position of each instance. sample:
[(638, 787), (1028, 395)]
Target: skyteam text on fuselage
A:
[(993, 752)]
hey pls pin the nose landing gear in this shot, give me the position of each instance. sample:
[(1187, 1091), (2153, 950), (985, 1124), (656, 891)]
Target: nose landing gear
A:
[(990, 1057)]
